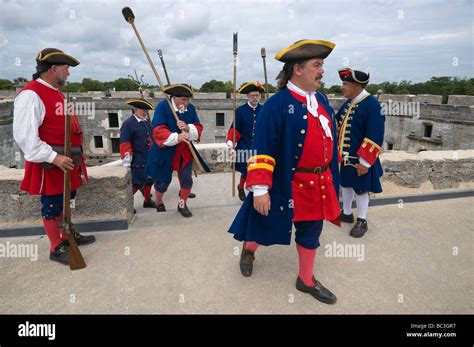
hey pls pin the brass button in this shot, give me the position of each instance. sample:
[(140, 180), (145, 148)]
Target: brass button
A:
[(311, 182), (303, 105), (265, 160), (305, 117), (324, 137), (322, 177), (281, 208), (324, 196), (322, 187), (302, 131), (296, 157), (301, 185), (300, 145), (292, 169)]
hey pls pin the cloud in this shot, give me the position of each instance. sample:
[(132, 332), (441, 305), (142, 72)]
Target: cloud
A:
[(394, 40)]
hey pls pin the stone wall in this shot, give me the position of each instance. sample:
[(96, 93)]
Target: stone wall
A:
[(108, 195)]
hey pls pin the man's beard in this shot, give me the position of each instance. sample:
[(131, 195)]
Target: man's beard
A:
[(253, 102), (61, 82)]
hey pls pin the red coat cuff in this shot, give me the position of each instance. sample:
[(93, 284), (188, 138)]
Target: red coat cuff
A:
[(369, 150), (230, 136), (260, 171), (161, 134), (199, 129), (125, 147)]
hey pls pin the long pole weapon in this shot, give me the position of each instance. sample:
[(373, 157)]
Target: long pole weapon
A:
[(160, 54), (263, 53), (235, 107), (130, 18)]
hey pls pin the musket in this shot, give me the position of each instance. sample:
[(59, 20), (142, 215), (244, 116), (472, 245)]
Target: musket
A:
[(235, 107), (130, 19), (263, 53), (76, 261)]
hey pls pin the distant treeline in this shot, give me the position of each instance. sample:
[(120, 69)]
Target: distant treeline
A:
[(436, 85)]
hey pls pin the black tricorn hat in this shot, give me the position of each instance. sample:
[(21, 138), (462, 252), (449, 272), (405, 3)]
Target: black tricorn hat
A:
[(305, 50), (179, 90), (356, 76), (54, 56), (252, 87), (140, 103)]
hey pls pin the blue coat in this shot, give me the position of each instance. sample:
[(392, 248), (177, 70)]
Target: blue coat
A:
[(138, 135), (160, 160), (361, 134), (278, 133), (245, 121)]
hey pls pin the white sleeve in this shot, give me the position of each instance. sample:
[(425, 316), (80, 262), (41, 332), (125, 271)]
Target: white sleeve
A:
[(193, 132), (364, 162), (28, 115), (172, 140), (258, 189)]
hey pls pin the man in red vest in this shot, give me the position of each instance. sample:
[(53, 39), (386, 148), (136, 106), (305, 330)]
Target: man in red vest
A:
[(38, 128)]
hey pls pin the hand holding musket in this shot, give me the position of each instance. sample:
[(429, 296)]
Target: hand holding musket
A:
[(130, 18)]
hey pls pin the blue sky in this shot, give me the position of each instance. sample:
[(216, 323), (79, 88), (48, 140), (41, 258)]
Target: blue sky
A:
[(393, 40)]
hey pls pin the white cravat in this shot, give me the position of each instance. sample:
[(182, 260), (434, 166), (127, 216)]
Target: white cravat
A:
[(312, 105)]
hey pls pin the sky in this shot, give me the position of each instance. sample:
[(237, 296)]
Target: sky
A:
[(392, 40)]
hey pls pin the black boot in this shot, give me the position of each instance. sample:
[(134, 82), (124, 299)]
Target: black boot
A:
[(360, 228), (242, 194), (161, 208), (61, 253), (317, 291), (149, 204), (347, 218), (82, 240), (185, 212), (246, 262), (191, 195)]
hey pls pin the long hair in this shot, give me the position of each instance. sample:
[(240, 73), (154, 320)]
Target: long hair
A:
[(285, 74), (40, 68)]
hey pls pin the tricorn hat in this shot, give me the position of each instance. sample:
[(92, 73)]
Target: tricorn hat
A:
[(179, 90), (305, 50), (54, 56), (251, 87), (140, 103), (356, 76)]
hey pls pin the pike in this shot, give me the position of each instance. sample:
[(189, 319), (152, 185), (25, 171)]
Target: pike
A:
[(160, 55), (130, 19), (76, 261), (235, 107), (263, 53)]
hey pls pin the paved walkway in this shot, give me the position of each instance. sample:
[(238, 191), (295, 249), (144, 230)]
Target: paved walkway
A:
[(168, 264)]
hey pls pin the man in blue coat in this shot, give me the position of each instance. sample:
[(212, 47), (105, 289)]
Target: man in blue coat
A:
[(170, 149), (293, 177), (245, 119), (135, 141), (360, 143)]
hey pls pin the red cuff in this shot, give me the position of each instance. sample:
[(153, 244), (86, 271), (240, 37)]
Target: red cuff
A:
[(369, 151), (161, 134), (230, 136), (260, 171), (199, 129), (125, 147)]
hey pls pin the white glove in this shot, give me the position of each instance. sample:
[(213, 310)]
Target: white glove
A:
[(127, 161)]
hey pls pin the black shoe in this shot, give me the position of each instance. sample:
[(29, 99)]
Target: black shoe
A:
[(82, 240), (161, 208), (242, 195), (134, 211), (149, 204), (185, 212), (61, 253), (360, 228), (347, 218), (246, 262), (317, 291), (191, 195)]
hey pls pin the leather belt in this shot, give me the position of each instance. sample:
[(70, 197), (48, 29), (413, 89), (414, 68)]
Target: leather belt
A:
[(318, 169)]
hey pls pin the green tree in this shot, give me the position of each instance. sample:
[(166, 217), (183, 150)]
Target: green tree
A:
[(6, 85)]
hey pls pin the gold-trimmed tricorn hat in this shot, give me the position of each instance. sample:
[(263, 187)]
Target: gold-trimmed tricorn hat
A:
[(305, 50), (252, 87), (181, 89), (54, 56), (140, 103)]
